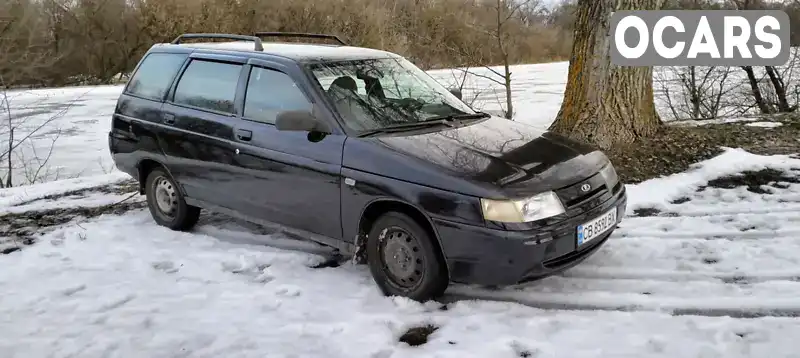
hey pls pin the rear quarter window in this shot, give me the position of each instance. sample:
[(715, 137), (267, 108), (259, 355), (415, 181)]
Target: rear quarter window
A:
[(155, 75)]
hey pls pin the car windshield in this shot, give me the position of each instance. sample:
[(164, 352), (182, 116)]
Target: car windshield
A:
[(371, 94)]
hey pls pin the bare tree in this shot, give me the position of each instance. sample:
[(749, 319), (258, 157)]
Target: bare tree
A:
[(779, 85), (762, 104), (97, 39), (8, 181), (506, 11), (604, 104), (461, 79), (26, 55), (778, 89), (504, 34), (693, 92), (21, 151)]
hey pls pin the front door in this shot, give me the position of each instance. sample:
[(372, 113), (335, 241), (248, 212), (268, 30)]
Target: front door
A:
[(292, 178)]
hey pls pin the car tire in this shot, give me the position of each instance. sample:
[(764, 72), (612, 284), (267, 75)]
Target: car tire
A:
[(404, 260), (167, 204)]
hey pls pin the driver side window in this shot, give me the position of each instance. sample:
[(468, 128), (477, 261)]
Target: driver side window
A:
[(270, 92)]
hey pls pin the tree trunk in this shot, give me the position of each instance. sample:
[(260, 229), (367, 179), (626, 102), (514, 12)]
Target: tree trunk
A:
[(604, 104), (760, 102), (780, 89), (695, 93), (509, 102)]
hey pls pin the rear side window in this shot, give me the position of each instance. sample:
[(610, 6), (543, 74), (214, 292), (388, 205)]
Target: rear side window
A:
[(209, 85), (270, 92), (155, 74)]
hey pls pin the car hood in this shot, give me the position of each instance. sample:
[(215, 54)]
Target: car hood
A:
[(496, 157)]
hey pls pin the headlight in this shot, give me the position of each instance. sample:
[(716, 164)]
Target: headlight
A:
[(610, 175), (534, 208)]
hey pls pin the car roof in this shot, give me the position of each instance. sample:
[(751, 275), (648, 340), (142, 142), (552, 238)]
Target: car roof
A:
[(301, 52)]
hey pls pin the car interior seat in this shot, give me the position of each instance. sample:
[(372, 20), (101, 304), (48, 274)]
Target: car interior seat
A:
[(344, 82)]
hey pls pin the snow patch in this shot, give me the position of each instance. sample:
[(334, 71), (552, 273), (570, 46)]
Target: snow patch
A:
[(657, 193), (765, 124), (16, 195)]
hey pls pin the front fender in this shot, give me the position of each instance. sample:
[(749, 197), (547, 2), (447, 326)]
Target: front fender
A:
[(360, 189)]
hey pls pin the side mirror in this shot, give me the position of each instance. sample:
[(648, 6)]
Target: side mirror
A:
[(456, 92), (299, 121)]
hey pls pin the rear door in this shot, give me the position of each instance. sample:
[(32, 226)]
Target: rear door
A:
[(201, 115), (135, 124), (290, 178)]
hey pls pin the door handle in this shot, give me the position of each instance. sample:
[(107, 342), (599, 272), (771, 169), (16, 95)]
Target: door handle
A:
[(169, 118), (244, 135)]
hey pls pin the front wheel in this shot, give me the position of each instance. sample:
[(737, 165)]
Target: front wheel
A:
[(167, 204), (404, 260)]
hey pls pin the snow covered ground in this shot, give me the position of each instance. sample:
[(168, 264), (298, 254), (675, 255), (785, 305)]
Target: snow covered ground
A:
[(706, 265)]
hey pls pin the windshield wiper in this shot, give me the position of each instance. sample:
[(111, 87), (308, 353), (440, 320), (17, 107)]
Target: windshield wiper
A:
[(428, 122), (462, 116), (406, 126)]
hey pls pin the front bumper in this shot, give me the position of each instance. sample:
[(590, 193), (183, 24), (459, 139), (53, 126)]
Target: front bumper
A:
[(484, 256)]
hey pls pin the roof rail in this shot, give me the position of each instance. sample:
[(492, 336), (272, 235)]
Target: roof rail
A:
[(258, 45), (301, 35)]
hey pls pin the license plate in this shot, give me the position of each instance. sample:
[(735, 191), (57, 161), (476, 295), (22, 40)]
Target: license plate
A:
[(597, 227)]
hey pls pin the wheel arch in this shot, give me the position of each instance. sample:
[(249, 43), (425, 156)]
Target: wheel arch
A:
[(144, 167), (377, 207)]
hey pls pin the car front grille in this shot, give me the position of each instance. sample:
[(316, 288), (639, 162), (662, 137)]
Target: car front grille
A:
[(575, 195), (577, 201)]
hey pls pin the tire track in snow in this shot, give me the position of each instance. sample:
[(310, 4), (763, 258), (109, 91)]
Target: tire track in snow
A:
[(87, 200), (740, 305), (669, 289), (601, 272), (712, 307), (714, 235), (732, 227), (734, 257), (632, 221), (735, 293), (717, 211)]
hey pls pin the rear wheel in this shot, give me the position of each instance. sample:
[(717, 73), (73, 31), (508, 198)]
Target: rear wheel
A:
[(167, 204), (404, 260)]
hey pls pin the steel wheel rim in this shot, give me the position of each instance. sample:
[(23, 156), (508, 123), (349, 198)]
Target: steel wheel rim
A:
[(401, 258), (166, 196)]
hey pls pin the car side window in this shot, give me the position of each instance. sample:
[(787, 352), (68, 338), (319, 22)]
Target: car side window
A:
[(270, 92), (210, 85), (155, 75)]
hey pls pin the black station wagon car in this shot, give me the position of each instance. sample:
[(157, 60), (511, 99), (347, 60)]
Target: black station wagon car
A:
[(360, 150)]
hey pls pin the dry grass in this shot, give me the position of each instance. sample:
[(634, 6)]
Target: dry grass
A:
[(57, 42), (674, 149)]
